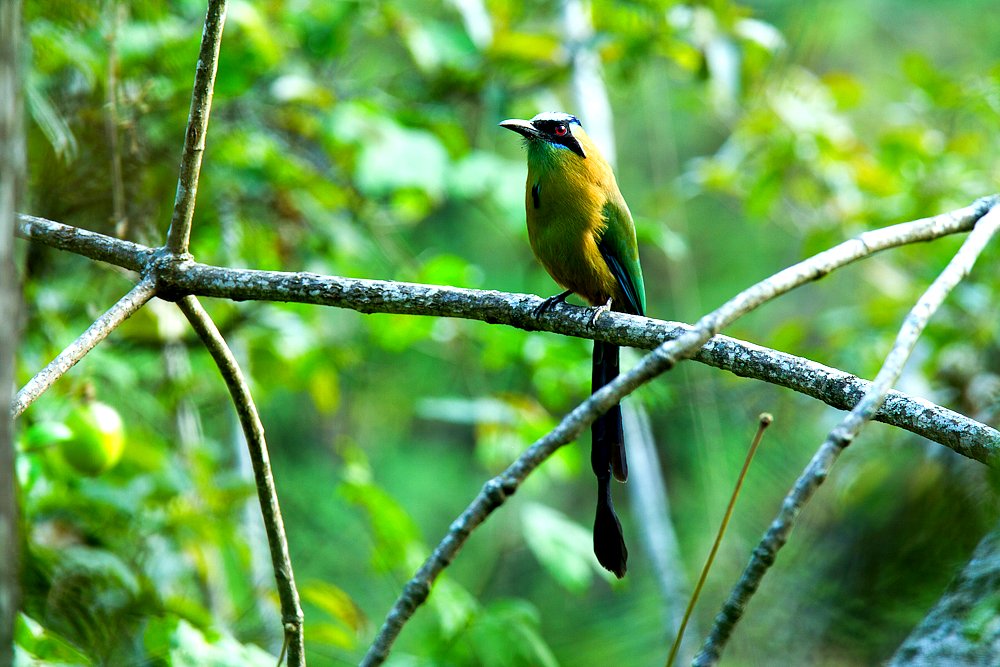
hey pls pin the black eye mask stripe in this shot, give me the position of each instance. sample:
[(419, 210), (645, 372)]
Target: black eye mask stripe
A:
[(548, 130)]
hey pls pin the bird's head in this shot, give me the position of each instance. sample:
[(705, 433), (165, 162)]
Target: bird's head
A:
[(555, 128)]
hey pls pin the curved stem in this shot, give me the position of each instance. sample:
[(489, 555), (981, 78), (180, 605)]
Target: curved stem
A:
[(291, 609)]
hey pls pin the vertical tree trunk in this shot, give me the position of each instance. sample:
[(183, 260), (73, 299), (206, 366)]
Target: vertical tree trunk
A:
[(11, 182)]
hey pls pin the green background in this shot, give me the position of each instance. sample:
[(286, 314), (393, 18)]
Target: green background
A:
[(360, 139)]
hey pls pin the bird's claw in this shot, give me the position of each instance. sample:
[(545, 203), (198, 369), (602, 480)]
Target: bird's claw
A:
[(598, 311), (544, 306)]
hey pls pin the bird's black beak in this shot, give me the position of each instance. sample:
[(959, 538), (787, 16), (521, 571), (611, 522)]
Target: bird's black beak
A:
[(522, 127)]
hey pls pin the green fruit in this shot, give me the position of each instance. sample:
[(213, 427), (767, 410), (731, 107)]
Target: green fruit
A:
[(98, 438)]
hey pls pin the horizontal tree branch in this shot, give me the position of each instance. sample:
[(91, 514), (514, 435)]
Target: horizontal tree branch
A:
[(834, 387)]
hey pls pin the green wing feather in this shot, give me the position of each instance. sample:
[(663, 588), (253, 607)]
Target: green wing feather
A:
[(620, 251)]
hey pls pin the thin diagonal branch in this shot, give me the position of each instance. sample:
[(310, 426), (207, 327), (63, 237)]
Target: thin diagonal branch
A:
[(837, 388), (179, 234), (842, 435), (663, 358), (291, 610), (77, 350)]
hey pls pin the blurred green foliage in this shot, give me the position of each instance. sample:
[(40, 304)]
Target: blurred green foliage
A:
[(360, 139)]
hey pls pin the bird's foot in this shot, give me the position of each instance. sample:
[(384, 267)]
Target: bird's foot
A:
[(598, 311), (549, 302)]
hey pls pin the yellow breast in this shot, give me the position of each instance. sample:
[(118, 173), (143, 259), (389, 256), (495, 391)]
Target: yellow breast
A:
[(564, 200)]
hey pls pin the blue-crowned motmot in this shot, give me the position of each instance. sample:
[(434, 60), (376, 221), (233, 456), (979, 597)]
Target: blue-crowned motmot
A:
[(582, 232)]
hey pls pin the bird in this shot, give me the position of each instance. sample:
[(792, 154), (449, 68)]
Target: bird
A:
[(581, 231)]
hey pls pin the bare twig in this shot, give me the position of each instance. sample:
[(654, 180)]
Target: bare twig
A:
[(254, 533), (291, 610), (765, 420), (12, 171), (663, 358), (95, 333), (842, 435), (194, 138), (118, 252), (836, 388)]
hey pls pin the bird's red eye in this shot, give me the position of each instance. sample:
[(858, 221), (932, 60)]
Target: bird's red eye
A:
[(560, 130)]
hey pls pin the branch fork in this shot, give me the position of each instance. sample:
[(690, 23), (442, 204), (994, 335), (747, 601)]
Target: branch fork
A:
[(154, 265)]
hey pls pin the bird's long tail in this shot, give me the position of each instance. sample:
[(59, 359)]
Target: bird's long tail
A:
[(607, 457)]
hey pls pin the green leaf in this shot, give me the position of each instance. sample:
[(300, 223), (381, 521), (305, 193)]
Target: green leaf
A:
[(189, 647), (454, 605), (51, 121), (36, 646), (349, 620), (506, 634), (436, 45), (397, 158), (254, 27), (564, 547)]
